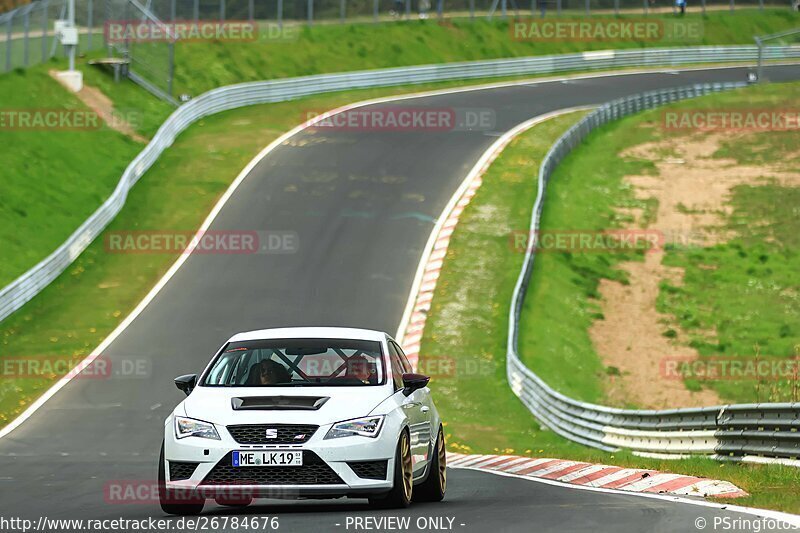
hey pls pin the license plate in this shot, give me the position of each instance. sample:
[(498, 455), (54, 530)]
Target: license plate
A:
[(268, 458)]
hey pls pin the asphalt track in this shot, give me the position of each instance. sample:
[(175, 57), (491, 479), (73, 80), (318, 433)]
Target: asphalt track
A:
[(362, 205)]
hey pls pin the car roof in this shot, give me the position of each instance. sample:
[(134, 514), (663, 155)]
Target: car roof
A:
[(310, 333)]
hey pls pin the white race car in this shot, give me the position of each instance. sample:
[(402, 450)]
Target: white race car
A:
[(303, 413)]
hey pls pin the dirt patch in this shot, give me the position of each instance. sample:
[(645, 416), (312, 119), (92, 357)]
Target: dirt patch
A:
[(104, 107), (693, 191)]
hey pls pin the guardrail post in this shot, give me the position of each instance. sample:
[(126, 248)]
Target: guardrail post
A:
[(733, 6), (310, 12), (222, 10), (251, 10), (616, 7), (280, 13), (588, 8), (644, 6), (703, 4), (558, 7), (343, 10), (196, 10), (408, 8), (375, 10), (472, 9), (440, 9)]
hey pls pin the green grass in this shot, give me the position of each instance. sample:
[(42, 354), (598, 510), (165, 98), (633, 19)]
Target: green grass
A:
[(50, 180), (468, 322), (746, 288), (201, 66)]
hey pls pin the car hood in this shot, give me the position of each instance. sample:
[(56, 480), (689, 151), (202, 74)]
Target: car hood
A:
[(282, 405)]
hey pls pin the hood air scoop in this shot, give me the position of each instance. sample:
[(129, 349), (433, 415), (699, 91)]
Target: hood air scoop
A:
[(279, 403)]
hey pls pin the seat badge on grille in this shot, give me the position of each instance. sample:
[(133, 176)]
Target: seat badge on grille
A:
[(272, 433), (301, 436)]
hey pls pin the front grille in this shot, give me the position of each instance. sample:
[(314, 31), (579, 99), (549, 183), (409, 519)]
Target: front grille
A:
[(178, 471), (370, 469), (313, 472), (286, 433)]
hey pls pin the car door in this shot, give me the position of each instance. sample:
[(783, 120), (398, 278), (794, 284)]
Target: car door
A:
[(417, 410)]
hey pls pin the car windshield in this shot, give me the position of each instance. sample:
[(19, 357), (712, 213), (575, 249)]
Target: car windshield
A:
[(297, 363)]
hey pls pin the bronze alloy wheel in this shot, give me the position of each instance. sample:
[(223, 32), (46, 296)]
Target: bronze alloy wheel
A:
[(405, 457)]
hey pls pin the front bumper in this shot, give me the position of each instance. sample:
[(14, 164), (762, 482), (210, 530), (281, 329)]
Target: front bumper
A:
[(205, 465)]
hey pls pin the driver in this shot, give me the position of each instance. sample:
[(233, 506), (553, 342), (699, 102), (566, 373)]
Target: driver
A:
[(358, 367)]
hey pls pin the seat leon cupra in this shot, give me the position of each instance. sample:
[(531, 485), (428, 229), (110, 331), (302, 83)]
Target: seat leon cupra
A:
[(303, 413)]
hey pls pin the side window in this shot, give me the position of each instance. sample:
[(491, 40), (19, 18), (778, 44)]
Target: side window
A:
[(403, 361), (397, 366)]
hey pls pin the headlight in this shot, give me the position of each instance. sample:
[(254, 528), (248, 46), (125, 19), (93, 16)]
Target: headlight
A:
[(366, 427), (188, 427)]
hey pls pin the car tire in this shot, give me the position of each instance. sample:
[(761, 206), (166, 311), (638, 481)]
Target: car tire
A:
[(403, 486), (433, 488), (167, 497)]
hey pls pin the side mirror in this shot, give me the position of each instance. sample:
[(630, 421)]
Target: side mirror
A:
[(412, 382), (186, 383)]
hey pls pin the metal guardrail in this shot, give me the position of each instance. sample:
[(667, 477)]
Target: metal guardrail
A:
[(741, 431), (28, 285)]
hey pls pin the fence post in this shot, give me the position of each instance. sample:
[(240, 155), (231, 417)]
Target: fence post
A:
[(733, 6), (251, 9), (703, 3), (440, 8), (310, 12), (45, 6), (342, 10), (9, 42), (90, 23), (761, 5), (644, 6), (26, 21), (222, 10), (280, 13), (375, 9), (408, 9), (616, 7), (472, 9), (558, 7), (196, 10), (588, 8)]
